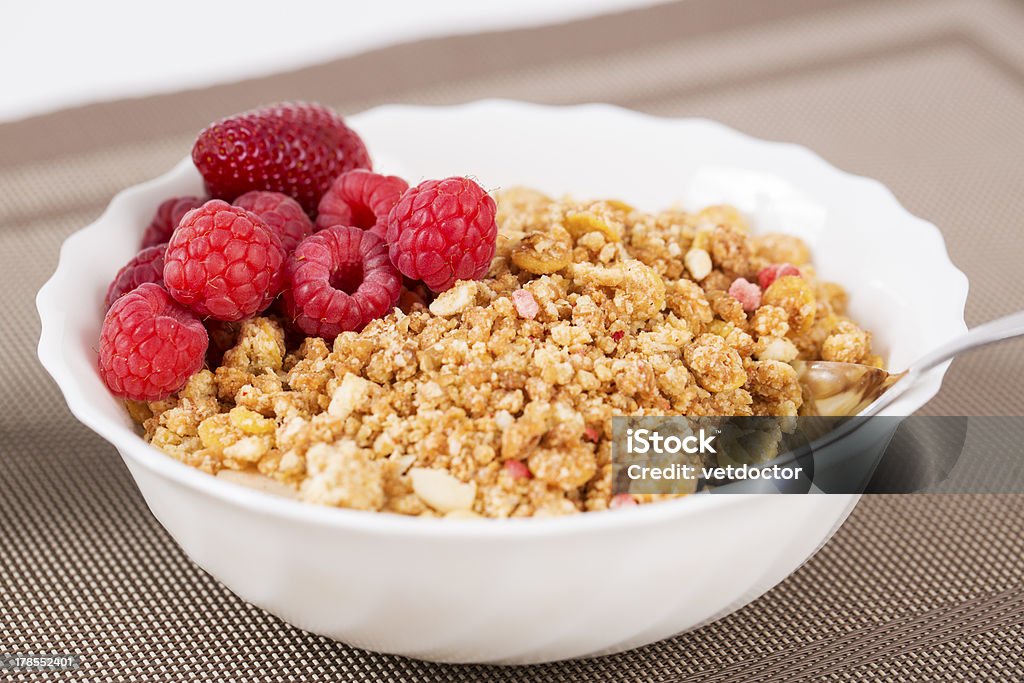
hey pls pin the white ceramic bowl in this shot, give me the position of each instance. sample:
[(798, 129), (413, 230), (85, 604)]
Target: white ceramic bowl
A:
[(531, 590)]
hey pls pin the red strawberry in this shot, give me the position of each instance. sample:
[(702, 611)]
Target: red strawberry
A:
[(296, 148)]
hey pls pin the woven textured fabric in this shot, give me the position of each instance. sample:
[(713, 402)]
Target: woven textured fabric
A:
[(925, 95)]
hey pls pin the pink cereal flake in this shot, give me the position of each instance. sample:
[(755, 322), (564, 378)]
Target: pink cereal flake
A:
[(622, 500), (770, 274), (618, 335), (747, 293), (517, 470), (525, 304), (591, 434)]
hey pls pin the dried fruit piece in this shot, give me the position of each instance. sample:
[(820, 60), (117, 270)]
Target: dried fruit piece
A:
[(526, 305), (747, 293), (517, 469), (622, 500), (770, 274), (579, 223), (542, 253), (251, 422)]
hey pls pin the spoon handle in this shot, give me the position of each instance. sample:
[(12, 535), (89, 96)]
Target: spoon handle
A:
[(1007, 327)]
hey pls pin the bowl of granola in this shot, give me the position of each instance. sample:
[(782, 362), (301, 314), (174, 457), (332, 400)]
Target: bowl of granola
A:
[(385, 417)]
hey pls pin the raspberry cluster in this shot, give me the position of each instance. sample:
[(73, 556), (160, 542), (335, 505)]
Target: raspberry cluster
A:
[(308, 221)]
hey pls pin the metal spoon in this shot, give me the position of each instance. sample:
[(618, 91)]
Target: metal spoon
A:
[(837, 389)]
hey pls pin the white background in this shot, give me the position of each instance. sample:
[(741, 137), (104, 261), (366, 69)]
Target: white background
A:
[(58, 54)]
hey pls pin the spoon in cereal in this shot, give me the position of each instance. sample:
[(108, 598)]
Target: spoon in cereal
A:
[(839, 389)]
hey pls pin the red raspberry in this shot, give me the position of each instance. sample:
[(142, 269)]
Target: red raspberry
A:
[(149, 345), (361, 199), (146, 266), (223, 262), (769, 274), (442, 231), (295, 147), (339, 279), (282, 214), (166, 219)]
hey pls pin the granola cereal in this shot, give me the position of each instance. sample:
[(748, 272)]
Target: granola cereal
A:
[(495, 398)]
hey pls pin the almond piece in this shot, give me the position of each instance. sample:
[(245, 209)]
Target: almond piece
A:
[(698, 262), (442, 491), (455, 300)]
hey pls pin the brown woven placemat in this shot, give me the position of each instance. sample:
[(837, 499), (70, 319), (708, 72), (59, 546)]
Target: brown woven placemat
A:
[(927, 96)]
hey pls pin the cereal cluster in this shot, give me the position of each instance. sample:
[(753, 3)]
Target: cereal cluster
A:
[(495, 397)]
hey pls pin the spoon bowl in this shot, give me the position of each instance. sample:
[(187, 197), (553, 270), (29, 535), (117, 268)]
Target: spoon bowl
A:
[(832, 388)]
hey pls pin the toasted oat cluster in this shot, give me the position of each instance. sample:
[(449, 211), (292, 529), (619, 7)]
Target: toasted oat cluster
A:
[(495, 398)]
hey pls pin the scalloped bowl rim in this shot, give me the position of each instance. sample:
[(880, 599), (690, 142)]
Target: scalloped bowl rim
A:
[(131, 445)]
